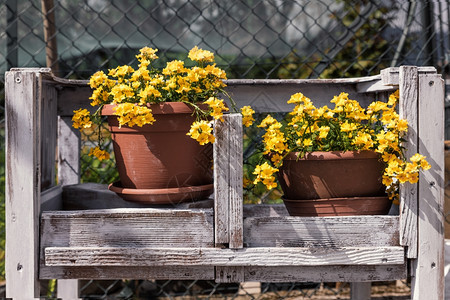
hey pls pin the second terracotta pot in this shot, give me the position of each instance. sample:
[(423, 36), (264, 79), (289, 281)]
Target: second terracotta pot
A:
[(323, 175), (160, 155)]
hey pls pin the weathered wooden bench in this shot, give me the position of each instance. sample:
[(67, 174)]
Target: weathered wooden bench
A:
[(103, 237)]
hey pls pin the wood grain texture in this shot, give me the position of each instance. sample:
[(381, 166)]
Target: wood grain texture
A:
[(270, 257), (428, 280), (408, 109), (228, 174), (129, 272), (22, 183), (69, 152), (229, 274), (326, 273), (221, 181), (355, 231), (235, 215), (137, 228)]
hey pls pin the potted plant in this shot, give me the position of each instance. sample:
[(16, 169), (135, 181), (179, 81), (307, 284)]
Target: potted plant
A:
[(160, 123), (337, 161)]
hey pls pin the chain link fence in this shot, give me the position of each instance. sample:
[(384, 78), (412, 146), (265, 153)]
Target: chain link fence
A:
[(250, 39)]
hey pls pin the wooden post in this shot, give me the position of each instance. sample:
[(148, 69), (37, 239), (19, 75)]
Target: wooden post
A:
[(22, 183), (228, 203), (428, 269), (408, 105)]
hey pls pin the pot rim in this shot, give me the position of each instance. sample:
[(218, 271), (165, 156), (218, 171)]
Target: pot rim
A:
[(333, 155), (117, 188), (160, 108)]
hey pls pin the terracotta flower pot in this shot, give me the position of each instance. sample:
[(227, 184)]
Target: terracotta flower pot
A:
[(161, 156), (338, 206), (333, 183)]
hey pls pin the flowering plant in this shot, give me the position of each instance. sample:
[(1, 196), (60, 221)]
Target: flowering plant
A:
[(346, 127), (132, 91)]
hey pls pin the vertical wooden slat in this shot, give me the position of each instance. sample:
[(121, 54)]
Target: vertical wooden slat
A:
[(68, 152), (408, 104), (228, 205), (236, 217), (428, 279), (221, 179), (22, 184)]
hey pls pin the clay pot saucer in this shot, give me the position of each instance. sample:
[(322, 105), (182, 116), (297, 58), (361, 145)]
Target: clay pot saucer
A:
[(338, 206), (163, 196)]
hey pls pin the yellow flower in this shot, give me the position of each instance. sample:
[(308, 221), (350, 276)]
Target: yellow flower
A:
[(99, 78), (100, 154), (148, 93), (264, 173), (81, 119), (174, 67), (347, 127), (276, 159), (393, 98), (307, 142), (269, 120), (217, 106), (363, 140), (376, 107), (202, 132), (247, 116), (121, 92), (200, 55), (147, 53), (323, 132), (131, 114), (121, 71)]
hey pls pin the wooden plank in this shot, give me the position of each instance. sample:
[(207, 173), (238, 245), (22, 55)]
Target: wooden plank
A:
[(235, 220), (264, 95), (428, 282), (374, 86), (326, 273), (355, 231), (229, 274), (129, 272), (271, 95), (68, 152), (221, 181), (22, 184), (128, 228), (408, 105), (263, 256)]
